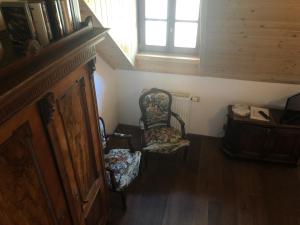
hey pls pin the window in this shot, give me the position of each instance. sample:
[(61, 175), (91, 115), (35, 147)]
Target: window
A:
[(170, 26)]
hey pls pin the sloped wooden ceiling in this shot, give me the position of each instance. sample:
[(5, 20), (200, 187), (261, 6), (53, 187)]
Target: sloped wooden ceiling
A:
[(251, 39), (115, 50), (241, 39)]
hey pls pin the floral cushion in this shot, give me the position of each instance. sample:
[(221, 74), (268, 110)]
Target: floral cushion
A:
[(156, 108), (164, 140), (125, 165)]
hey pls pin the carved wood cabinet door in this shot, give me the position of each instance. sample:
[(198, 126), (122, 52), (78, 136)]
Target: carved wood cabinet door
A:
[(30, 188), (70, 116)]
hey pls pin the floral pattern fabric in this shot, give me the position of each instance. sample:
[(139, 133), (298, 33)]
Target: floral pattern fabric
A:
[(157, 108), (125, 165), (164, 140)]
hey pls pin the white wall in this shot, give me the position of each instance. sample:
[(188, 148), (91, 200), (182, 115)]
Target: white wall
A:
[(209, 115), (106, 92)]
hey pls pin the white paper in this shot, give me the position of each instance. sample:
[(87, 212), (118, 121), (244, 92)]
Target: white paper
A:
[(255, 115)]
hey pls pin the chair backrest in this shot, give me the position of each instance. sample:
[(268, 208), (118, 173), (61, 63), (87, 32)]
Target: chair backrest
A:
[(155, 106), (103, 135)]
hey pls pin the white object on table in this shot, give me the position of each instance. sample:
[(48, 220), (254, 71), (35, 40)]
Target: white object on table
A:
[(255, 115), (241, 110)]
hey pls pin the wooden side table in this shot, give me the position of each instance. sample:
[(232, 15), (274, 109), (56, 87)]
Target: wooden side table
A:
[(262, 140)]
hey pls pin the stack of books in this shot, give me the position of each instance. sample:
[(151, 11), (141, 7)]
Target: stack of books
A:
[(44, 21)]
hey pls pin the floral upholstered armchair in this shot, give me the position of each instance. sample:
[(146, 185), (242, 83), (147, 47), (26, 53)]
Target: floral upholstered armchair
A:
[(158, 135), (122, 165)]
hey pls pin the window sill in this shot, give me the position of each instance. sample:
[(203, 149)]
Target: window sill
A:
[(168, 63)]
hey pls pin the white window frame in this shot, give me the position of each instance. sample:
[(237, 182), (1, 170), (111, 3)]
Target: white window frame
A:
[(169, 48)]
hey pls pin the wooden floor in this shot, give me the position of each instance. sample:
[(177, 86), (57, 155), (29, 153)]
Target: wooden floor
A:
[(210, 189)]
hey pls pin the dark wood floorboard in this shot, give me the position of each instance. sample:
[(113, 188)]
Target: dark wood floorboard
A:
[(209, 189)]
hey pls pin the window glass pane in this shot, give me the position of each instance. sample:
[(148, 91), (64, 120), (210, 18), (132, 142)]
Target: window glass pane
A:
[(156, 33), (187, 9), (185, 34), (156, 9)]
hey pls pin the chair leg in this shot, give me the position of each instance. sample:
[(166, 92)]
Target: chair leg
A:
[(146, 156), (123, 198), (186, 151), (140, 174)]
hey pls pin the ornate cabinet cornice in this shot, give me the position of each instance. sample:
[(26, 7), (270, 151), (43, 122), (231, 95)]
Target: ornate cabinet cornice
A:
[(67, 60)]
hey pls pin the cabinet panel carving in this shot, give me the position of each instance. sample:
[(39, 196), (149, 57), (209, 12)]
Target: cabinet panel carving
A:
[(73, 110), (68, 115), (22, 193)]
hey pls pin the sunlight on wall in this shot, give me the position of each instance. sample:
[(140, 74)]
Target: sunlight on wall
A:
[(100, 90), (106, 94), (120, 17)]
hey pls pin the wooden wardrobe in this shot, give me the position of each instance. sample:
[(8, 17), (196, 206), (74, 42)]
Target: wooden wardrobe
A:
[(51, 162)]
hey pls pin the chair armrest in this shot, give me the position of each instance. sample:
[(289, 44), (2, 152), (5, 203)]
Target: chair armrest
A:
[(182, 124), (112, 178), (141, 124), (127, 137), (120, 136)]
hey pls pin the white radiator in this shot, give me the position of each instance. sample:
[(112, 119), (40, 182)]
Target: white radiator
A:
[(181, 104)]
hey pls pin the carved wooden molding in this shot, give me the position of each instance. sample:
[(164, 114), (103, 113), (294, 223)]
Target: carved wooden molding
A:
[(48, 79), (92, 67), (47, 107), (23, 131)]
